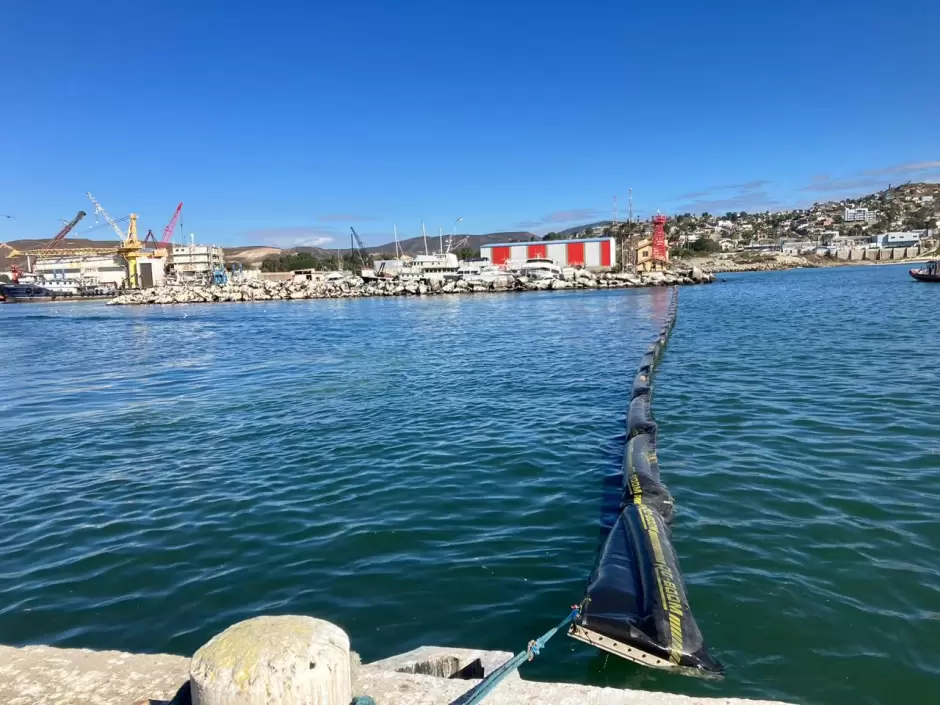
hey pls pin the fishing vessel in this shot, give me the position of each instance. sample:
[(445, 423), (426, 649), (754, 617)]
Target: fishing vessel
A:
[(930, 273)]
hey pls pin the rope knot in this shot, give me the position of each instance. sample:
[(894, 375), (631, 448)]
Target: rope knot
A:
[(533, 649)]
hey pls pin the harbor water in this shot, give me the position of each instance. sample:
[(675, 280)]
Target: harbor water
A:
[(436, 470)]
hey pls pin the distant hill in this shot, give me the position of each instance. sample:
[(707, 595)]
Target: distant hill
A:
[(415, 245), (578, 229), (410, 246)]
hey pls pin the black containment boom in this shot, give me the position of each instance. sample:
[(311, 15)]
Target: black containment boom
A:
[(636, 605)]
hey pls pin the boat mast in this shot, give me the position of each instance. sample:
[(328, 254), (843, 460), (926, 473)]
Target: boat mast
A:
[(397, 250), (424, 234), (440, 234)]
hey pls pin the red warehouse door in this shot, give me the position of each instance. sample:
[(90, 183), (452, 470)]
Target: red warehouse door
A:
[(605, 253), (575, 254), (500, 255), (537, 251)]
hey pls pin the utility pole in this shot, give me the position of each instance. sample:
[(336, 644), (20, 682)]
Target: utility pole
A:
[(630, 215)]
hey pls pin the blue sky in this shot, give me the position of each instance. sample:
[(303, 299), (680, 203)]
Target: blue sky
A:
[(285, 122)]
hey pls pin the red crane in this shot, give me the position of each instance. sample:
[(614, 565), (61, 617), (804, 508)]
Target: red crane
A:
[(167, 231), (59, 236)]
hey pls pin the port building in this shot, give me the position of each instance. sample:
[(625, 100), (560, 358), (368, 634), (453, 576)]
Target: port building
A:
[(591, 253), (72, 273), (195, 263)]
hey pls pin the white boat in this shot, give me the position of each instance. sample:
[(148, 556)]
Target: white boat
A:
[(437, 266), (488, 274), (541, 268)]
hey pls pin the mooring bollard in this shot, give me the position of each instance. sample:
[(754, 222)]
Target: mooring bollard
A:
[(287, 660)]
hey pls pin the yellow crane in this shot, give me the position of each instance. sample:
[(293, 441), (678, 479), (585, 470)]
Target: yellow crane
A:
[(129, 246)]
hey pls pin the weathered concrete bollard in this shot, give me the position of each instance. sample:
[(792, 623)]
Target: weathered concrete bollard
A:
[(286, 660)]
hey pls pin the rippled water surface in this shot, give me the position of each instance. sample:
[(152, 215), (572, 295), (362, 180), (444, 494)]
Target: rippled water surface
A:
[(433, 471)]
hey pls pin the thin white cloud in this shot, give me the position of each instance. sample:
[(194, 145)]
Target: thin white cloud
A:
[(290, 236), (904, 168)]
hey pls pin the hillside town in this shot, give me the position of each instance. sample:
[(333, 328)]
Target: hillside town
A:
[(900, 216)]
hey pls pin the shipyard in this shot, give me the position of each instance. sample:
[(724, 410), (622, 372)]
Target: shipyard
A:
[(148, 270), (475, 353)]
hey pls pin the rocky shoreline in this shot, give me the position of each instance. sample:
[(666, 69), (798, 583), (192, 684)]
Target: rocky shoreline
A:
[(355, 287), (778, 262), (720, 265)]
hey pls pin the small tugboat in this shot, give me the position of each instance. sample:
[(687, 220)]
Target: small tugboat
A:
[(930, 274)]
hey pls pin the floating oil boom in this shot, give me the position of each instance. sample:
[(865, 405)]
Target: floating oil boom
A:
[(635, 605)]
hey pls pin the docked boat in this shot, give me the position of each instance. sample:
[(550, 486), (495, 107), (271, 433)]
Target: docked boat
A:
[(428, 267), (931, 273), (22, 293), (541, 268), (485, 275)]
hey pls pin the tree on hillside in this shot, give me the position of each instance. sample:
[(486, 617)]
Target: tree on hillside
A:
[(589, 232), (464, 253)]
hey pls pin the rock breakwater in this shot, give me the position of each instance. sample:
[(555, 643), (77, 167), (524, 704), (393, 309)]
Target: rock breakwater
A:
[(355, 287), (777, 262)]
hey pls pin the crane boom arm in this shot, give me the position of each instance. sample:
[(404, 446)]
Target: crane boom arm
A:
[(65, 231), (170, 227), (104, 213), (363, 255)]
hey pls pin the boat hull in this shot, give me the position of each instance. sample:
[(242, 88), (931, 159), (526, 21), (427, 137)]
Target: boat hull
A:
[(922, 276), (26, 293)]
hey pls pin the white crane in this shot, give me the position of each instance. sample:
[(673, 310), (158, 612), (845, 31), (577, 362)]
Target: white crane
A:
[(98, 209)]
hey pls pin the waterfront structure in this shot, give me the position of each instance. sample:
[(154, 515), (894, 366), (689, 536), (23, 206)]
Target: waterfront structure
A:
[(897, 239), (591, 253), (660, 250), (76, 273), (106, 270), (860, 215), (192, 263), (274, 656), (643, 256)]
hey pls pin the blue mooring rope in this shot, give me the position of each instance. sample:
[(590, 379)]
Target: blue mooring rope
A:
[(483, 688)]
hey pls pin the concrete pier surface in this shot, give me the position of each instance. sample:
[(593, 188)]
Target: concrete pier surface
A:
[(249, 672)]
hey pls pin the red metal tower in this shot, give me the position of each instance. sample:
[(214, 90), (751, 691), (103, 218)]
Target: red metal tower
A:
[(660, 253)]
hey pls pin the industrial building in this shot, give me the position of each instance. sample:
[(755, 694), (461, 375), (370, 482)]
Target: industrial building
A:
[(195, 263), (907, 239), (102, 271), (592, 253)]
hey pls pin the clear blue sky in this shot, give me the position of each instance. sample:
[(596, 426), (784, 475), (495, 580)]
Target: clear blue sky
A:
[(285, 122)]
